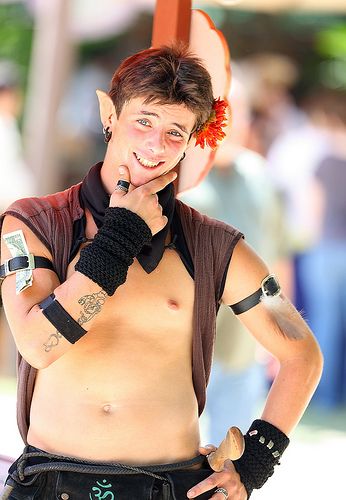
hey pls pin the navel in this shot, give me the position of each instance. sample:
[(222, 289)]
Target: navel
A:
[(107, 408), (173, 304)]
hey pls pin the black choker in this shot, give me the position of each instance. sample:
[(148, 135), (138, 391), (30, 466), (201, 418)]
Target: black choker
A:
[(94, 197)]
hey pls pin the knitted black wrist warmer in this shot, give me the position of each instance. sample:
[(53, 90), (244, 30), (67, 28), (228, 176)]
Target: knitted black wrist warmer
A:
[(264, 445), (107, 259)]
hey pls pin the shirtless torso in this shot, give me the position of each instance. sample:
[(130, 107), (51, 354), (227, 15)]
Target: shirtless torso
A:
[(126, 387)]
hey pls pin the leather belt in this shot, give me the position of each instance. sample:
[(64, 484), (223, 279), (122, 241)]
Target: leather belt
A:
[(23, 262)]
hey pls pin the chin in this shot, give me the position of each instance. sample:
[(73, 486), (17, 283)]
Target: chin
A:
[(138, 178)]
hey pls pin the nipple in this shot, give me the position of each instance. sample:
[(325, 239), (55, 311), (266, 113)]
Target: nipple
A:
[(173, 304)]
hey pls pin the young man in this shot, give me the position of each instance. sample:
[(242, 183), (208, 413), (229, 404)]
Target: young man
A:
[(120, 328)]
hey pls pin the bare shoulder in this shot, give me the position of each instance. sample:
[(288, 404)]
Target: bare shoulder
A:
[(35, 245), (245, 273)]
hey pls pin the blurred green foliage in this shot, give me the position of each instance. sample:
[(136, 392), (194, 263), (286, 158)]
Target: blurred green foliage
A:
[(16, 34), (331, 42), (316, 42), (308, 38)]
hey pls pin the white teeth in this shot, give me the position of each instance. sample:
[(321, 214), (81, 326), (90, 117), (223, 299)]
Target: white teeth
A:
[(146, 163)]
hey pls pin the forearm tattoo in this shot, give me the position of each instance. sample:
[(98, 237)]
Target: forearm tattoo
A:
[(53, 341), (92, 304)]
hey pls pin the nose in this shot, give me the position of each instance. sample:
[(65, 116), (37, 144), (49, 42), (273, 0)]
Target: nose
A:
[(156, 142)]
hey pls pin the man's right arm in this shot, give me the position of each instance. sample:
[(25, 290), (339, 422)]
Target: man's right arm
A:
[(36, 338)]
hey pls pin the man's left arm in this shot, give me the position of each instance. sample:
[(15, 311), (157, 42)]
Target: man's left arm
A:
[(300, 366), (300, 358)]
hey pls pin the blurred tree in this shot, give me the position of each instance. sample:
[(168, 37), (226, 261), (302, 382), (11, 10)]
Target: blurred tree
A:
[(331, 43), (16, 34), (307, 38)]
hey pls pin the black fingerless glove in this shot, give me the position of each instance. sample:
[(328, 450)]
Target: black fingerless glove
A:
[(264, 445), (107, 259)]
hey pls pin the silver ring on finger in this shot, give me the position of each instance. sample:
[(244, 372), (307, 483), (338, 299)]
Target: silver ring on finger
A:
[(123, 186), (223, 491)]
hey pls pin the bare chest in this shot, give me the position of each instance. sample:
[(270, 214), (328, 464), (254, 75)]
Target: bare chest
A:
[(150, 306)]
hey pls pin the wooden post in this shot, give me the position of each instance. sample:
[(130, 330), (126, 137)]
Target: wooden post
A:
[(174, 21), (51, 56), (171, 22)]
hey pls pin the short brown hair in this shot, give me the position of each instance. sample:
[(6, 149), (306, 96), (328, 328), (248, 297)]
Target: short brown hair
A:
[(166, 75)]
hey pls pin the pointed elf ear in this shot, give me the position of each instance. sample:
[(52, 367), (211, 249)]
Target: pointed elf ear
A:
[(107, 108)]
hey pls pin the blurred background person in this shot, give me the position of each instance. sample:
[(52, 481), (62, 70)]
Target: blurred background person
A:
[(292, 160), (80, 137), (323, 273), (17, 181), (237, 191), (270, 78)]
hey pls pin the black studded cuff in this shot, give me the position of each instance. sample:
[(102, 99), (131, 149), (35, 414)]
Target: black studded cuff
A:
[(264, 445)]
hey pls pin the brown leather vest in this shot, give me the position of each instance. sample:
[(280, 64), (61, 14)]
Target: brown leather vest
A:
[(210, 243)]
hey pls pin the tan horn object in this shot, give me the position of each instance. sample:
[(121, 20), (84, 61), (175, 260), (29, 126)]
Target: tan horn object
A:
[(231, 448), (5, 494)]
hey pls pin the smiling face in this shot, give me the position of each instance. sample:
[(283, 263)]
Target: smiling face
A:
[(150, 138)]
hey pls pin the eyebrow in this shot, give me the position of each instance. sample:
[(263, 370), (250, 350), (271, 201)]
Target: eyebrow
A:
[(150, 113)]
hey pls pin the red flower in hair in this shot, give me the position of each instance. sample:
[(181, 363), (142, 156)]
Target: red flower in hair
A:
[(211, 131)]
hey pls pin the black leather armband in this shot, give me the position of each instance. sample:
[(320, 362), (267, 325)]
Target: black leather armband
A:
[(61, 319), (107, 259), (269, 287), (23, 262), (264, 445)]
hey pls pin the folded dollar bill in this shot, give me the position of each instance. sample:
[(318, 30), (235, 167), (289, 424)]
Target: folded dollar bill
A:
[(16, 244)]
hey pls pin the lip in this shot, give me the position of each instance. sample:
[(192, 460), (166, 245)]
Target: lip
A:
[(148, 168)]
